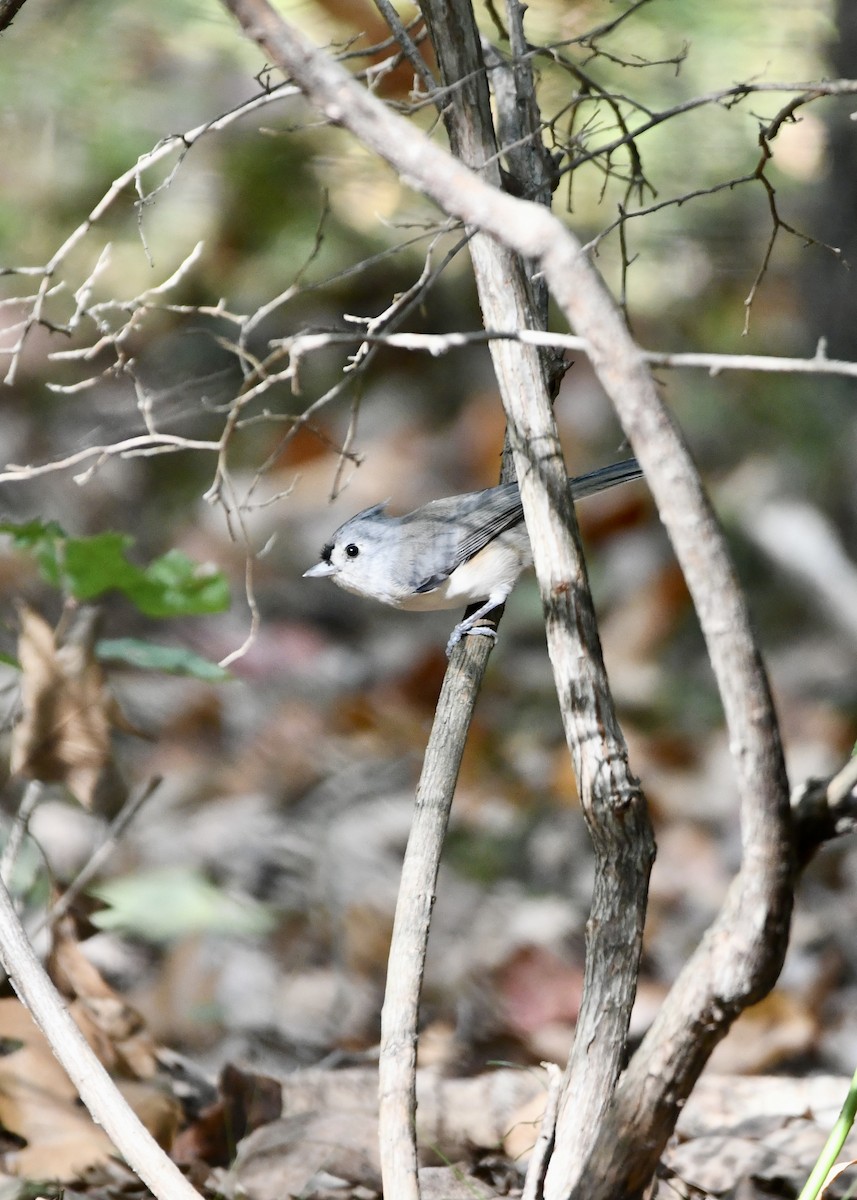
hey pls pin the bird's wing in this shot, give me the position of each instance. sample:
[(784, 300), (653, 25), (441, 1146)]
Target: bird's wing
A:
[(458, 527), (464, 525)]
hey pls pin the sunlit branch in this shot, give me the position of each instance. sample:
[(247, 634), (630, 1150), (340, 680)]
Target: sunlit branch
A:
[(437, 344)]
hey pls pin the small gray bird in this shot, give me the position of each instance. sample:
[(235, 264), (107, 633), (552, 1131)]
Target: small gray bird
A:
[(448, 553)]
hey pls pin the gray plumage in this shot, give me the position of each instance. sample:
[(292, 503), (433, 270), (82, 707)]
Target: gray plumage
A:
[(458, 550)]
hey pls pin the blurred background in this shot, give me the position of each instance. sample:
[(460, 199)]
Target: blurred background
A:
[(248, 907)]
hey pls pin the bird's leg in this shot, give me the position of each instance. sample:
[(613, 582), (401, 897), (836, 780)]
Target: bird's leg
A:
[(467, 625)]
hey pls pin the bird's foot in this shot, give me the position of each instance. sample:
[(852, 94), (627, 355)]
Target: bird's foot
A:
[(463, 630)]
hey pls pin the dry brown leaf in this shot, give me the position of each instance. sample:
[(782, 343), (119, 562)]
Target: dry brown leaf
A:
[(38, 1102), (158, 1110), (297, 1155), (68, 710), (538, 987), (114, 1030), (247, 1101), (40, 1105)]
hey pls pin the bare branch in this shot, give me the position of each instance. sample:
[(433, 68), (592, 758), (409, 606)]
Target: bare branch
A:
[(9, 9), (409, 49), (824, 809), (399, 1018), (777, 222), (437, 344), (392, 316), (673, 202), (541, 1152), (33, 794), (600, 31), (100, 854), (144, 445), (178, 144), (728, 98), (740, 958)]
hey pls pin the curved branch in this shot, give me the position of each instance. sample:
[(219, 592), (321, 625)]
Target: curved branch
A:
[(728, 97), (742, 954)]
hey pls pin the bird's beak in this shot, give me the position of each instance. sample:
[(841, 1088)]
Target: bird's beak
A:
[(319, 571)]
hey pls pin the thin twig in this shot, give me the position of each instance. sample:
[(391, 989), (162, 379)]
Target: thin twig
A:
[(823, 809), (542, 1150), (777, 222), (180, 144), (409, 49), (728, 97), (32, 795), (437, 344), (96, 861), (417, 889)]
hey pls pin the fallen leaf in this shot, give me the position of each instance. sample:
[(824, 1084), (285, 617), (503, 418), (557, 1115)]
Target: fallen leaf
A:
[(246, 1102), (39, 1103), (115, 1030), (68, 711), (281, 1158)]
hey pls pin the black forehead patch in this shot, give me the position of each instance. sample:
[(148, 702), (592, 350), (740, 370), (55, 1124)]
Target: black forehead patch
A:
[(326, 552)]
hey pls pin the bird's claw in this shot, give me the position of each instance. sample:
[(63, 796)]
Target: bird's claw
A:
[(463, 630)]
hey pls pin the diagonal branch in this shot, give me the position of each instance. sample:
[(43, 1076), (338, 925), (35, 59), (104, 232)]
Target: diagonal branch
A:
[(9, 9), (742, 954)]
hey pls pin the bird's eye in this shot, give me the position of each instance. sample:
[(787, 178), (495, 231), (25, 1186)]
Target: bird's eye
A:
[(351, 551)]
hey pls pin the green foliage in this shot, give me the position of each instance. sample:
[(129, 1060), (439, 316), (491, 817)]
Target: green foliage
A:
[(86, 568), (171, 902), (825, 1169), (169, 660)]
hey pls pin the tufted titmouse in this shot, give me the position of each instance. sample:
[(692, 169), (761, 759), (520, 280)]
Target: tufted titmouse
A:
[(447, 553)]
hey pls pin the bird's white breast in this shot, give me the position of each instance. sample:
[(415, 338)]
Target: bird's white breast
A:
[(491, 571)]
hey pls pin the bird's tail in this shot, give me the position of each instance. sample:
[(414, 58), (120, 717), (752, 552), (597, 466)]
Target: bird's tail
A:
[(605, 477)]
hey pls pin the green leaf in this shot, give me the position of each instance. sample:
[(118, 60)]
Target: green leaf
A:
[(171, 586), (28, 534), (176, 586), (170, 902), (95, 565), (171, 660)]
